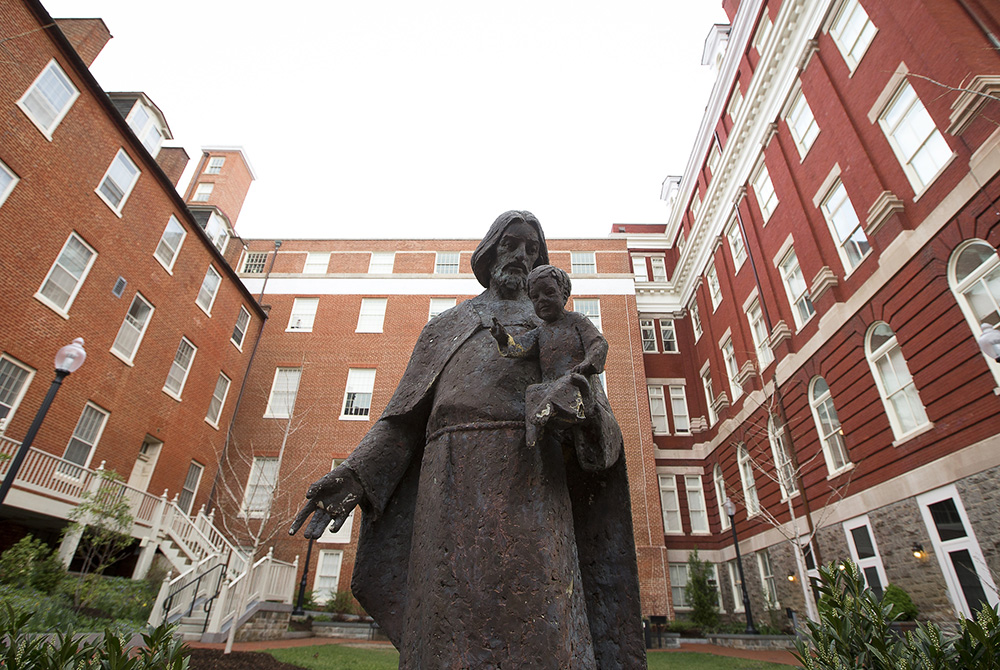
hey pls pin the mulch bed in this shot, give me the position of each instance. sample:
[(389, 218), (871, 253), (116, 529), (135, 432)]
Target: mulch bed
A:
[(214, 659)]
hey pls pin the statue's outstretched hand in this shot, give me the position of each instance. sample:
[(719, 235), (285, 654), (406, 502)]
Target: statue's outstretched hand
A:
[(330, 499), (499, 333)]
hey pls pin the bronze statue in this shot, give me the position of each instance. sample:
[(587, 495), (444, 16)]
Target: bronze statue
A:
[(477, 550)]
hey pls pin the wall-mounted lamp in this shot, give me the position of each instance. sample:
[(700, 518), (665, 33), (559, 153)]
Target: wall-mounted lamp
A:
[(841, 567), (989, 341), (791, 576), (918, 550)]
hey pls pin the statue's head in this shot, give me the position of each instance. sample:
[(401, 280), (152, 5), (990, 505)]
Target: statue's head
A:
[(484, 258)]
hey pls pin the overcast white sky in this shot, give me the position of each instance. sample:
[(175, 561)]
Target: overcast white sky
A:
[(424, 119)]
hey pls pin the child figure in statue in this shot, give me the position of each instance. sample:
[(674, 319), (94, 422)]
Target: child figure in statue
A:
[(570, 351)]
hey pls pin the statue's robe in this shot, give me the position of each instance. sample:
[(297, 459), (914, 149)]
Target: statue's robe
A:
[(477, 551)]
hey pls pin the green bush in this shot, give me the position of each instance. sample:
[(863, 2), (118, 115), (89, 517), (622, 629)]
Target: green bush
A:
[(342, 602), (31, 563), (903, 608)]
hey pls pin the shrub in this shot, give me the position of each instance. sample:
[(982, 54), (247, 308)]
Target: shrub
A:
[(903, 608), (342, 602), (701, 592), (31, 563)]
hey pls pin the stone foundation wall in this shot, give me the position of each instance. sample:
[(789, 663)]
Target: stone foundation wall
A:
[(265, 624)]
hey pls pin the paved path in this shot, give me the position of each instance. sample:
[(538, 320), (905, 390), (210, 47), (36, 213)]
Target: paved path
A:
[(771, 656)]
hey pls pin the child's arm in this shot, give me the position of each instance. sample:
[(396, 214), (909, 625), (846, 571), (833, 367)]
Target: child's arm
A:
[(524, 346), (595, 346)]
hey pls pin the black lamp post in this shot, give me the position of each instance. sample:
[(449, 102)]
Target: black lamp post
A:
[(731, 512), (68, 359), (299, 608)]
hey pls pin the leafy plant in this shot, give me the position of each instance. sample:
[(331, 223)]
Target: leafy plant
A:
[(903, 608), (342, 602), (31, 563), (701, 592)]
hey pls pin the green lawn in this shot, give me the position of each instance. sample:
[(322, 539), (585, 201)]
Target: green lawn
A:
[(339, 657)]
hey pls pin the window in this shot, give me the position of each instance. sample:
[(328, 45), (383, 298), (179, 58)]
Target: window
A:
[(583, 262), (590, 308), (767, 579), (720, 495), (118, 181), (678, 585), (697, 511), (639, 268), (7, 182), (439, 305), (372, 315), (916, 141), (747, 479), (85, 437), (783, 465), (261, 483), (802, 124), (670, 504), (240, 329), (767, 199), (358, 394), (217, 231), (648, 334), (763, 32), (852, 32), (14, 380), (735, 585), (170, 243), (758, 332), (179, 368), (852, 243), (966, 573), (892, 378), (255, 262), (706, 382), (48, 99), (659, 267), (381, 262), (695, 319), (327, 575), (146, 128), (831, 435), (974, 278), (190, 488), (657, 409), (735, 102), (209, 289), (303, 315), (668, 336), (203, 192), (795, 288), (714, 289), (215, 164), (317, 263), (736, 246), (132, 329), (218, 400), (732, 369), (66, 275), (864, 553), (446, 263), (284, 388), (679, 411)]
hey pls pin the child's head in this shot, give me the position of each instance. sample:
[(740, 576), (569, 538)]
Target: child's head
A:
[(549, 289)]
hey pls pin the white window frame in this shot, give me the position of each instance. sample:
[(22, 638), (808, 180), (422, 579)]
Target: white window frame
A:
[(253, 260), (173, 225), (736, 245), (371, 316), (360, 382), (784, 468), (696, 327), (668, 334), (583, 262), (980, 281), (241, 329), (217, 231), (796, 289), (802, 123), (943, 548), (658, 266), (678, 585), (933, 147), (706, 383), (303, 315), (287, 393), (214, 164), (381, 262), (732, 368), (854, 45), (639, 271), (868, 562), (176, 394), (768, 585), (828, 427), (839, 212), (694, 488), (189, 490), (439, 305), (657, 409), (735, 101), (218, 401), (149, 131), (670, 505), (763, 32), (52, 68), (203, 191), (720, 495), (125, 161), (590, 308), (763, 189), (679, 413), (714, 288), (647, 333), (128, 322), (72, 468), (207, 293), (322, 594), (261, 485), (447, 262), (735, 585), (758, 333), (748, 481), (8, 188), (14, 396), (903, 379), (317, 263), (63, 310)]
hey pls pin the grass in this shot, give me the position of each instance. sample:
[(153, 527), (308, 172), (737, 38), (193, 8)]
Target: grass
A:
[(340, 657)]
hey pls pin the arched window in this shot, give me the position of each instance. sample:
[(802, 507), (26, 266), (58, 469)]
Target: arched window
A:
[(720, 496), (831, 435), (749, 483), (892, 378), (974, 275)]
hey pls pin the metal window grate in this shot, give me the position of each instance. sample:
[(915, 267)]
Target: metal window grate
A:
[(119, 287)]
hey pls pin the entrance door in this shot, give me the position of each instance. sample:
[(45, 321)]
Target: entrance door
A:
[(145, 462)]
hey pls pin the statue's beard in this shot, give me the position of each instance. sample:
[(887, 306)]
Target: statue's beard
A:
[(509, 284)]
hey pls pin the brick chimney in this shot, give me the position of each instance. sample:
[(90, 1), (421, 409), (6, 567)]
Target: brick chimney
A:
[(88, 36)]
